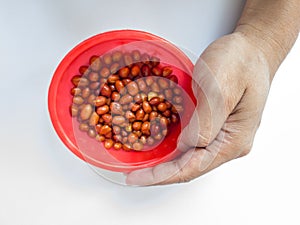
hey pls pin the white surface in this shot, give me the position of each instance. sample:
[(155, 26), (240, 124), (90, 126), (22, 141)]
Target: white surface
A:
[(42, 183)]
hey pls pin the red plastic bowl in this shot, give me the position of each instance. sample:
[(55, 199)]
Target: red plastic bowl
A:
[(88, 149)]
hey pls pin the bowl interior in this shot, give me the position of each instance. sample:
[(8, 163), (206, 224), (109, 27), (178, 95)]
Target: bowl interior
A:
[(88, 149)]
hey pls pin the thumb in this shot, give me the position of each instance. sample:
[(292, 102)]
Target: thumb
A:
[(210, 113)]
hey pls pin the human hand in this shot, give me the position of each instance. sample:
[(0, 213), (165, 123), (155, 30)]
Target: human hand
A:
[(231, 84)]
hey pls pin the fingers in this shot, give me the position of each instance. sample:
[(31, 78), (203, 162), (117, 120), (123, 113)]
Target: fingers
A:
[(180, 170)]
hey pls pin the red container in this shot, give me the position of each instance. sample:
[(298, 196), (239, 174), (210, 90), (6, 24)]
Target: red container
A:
[(88, 149)]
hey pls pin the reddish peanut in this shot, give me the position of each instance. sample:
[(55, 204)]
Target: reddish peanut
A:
[(167, 71), (162, 107), (75, 91), (146, 128), (116, 108), (105, 91), (105, 129), (126, 99), (107, 59), (146, 107), (118, 120), (132, 88), (94, 119), (108, 143), (86, 112), (85, 92), (107, 118), (102, 110), (78, 100), (99, 101), (74, 110), (139, 115), (117, 56), (137, 146), (135, 70), (124, 72)]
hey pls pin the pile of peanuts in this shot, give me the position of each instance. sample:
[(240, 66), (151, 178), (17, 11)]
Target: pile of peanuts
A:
[(126, 100)]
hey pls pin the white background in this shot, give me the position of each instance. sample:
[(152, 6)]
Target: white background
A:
[(42, 183)]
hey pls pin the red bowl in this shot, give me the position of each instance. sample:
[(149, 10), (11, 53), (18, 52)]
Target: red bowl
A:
[(88, 149)]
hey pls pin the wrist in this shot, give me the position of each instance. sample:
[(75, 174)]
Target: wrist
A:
[(272, 27)]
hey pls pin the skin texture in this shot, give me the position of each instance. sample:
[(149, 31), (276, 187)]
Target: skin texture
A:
[(235, 73)]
